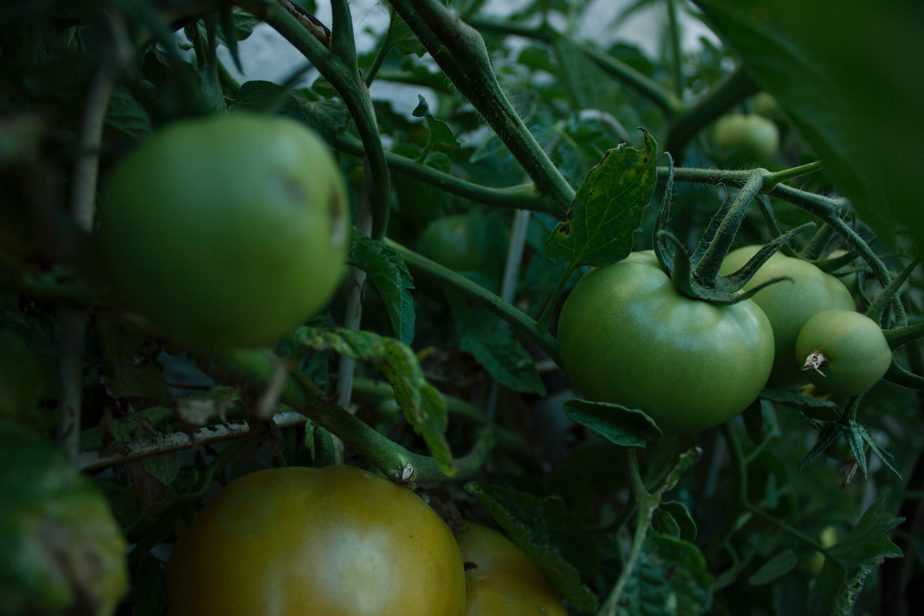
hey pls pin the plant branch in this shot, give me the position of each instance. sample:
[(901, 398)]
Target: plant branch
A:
[(521, 322), (898, 336), (728, 93), (343, 42), (522, 197), (461, 53), (676, 52)]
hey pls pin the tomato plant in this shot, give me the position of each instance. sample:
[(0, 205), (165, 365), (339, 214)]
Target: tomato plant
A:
[(290, 290), (338, 541), (262, 212), (500, 579)]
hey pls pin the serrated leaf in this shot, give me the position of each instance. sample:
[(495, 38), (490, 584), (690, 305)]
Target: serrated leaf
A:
[(608, 207), (423, 405), (618, 424), (775, 568), (493, 345), (389, 275), (871, 100), (522, 518), (671, 578)]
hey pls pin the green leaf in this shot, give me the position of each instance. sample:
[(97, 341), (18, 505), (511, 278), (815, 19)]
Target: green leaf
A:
[(423, 405), (126, 115), (389, 275), (608, 207), (523, 519), (671, 578), (618, 424), (682, 517), (775, 568), (326, 116), (493, 345), (867, 131)]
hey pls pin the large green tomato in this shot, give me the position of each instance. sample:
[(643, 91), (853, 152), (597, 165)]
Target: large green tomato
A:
[(451, 242), (501, 580), (746, 138), (21, 378), (226, 231), (789, 305), (850, 349), (628, 337), (61, 551), (307, 542)]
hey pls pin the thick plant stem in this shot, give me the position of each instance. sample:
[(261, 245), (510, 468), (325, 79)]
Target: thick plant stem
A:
[(900, 336), (460, 51), (645, 504), (708, 267), (521, 322), (83, 202), (676, 51), (522, 197), (345, 78), (731, 91), (254, 368)]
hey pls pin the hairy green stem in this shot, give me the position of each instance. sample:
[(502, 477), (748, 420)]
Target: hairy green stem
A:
[(381, 51), (522, 197), (898, 336), (676, 51), (646, 504), (520, 321), (461, 53), (708, 267), (343, 41), (728, 93)]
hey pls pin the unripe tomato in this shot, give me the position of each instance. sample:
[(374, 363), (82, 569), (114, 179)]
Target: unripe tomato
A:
[(815, 562), (61, 550), (21, 378), (789, 305), (628, 337), (850, 349), (226, 231), (501, 580), (746, 138), (336, 541), (451, 242), (765, 105)]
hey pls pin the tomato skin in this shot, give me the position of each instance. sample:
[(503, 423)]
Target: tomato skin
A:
[(451, 242), (748, 138), (336, 541), (628, 337), (226, 231), (789, 305), (856, 351), (766, 105), (501, 579)]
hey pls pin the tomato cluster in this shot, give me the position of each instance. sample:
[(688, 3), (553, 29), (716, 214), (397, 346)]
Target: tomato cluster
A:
[(340, 541)]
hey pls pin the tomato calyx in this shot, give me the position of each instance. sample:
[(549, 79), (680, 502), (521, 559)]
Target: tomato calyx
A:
[(696, 275)]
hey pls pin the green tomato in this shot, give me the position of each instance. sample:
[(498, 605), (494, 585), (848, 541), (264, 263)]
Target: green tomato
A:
[(452, 242), (226, 231), (848, 350), (815, 562), (21, 378), (628, 337), (61, 551), (746, 138), (766, 106), (789, 305)]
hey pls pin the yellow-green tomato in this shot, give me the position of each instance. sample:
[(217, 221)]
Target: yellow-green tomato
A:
[(765, 105), (789, 304), (843, 352), (501, 580), (336, 541), (815, 562), (451, 242), (746, 138), (227, 231), (628, 337)]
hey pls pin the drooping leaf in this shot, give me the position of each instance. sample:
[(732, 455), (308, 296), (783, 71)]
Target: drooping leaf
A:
[(423, 405), (608, 207), (389, 275), (618, 424), (671, 578)]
